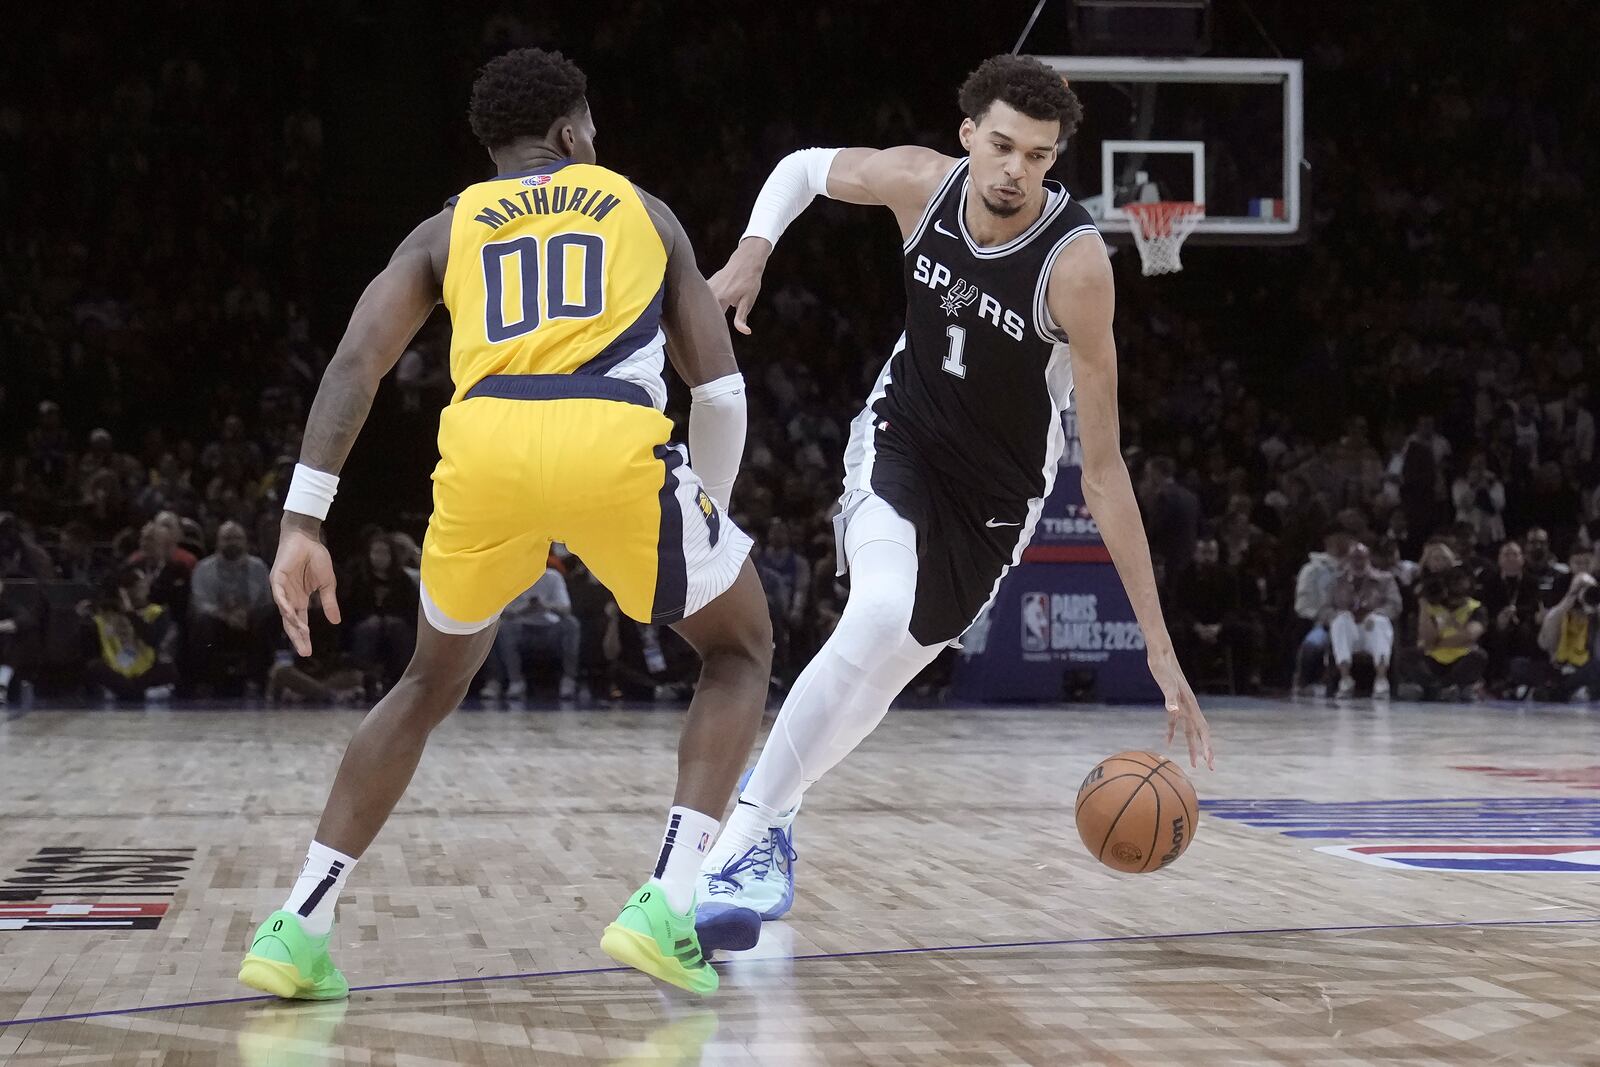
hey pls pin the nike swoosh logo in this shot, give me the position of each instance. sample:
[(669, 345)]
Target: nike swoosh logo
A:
[(995, 525), (939, 227)]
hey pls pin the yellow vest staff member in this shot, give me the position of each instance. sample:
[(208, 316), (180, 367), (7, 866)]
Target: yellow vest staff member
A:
[(1570, 634), (1447, 664), (567, 288)]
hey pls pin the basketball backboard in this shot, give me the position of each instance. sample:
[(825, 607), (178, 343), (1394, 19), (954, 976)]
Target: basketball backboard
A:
[(1226, 133)]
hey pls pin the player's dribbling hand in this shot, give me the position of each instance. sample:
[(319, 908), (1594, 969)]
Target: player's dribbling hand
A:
[(301, 568), (1182, 707), (739, 281)]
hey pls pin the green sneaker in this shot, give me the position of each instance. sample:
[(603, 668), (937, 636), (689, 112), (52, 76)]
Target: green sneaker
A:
[(287, 962), (648, 937)]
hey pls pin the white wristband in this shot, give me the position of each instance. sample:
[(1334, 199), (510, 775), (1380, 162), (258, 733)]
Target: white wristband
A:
[(310, 492), (798, 177)]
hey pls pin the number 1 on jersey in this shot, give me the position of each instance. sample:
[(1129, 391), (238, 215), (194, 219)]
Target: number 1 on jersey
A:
[(952, 358)]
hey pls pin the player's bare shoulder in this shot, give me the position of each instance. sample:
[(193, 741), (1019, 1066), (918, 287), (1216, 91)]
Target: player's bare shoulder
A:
[(903, 179), (430, 241), (1081, 284)]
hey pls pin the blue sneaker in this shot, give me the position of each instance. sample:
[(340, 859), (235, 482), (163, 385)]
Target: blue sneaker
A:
[(748, 890)]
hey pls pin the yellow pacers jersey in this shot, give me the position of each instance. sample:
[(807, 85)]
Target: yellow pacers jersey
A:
[(555, 271)]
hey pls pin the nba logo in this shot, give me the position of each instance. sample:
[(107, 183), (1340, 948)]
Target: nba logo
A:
[(536, 180), (1035, 622), (705, 843)]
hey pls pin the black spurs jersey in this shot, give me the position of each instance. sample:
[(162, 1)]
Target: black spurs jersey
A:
[(978, 387)]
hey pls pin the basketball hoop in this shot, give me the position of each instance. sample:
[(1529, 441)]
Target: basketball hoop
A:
[(1159, 229)]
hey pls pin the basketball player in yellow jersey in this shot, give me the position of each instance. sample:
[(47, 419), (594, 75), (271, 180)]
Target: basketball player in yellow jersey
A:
[(565, 285)]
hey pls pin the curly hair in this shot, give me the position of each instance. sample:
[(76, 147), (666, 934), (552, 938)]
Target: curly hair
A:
[(522, 94), (1025, 84)]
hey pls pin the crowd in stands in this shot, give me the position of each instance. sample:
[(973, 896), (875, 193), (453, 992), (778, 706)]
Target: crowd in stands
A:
[(1368, 461)]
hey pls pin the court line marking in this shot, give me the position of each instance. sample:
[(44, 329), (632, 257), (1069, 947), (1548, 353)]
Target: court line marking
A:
[(1053, 943)]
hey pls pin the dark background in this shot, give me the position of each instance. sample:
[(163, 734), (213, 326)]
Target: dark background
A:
[(194, 195)]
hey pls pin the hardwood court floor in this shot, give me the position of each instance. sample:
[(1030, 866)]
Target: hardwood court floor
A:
[(947, 913)]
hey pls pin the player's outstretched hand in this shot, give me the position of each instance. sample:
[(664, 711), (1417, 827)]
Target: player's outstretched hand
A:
[(737, 284), (1182, 707), (302, 568)]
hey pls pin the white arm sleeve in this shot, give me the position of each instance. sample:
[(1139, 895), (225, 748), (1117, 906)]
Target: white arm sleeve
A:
[(716, 434), (798, 177)]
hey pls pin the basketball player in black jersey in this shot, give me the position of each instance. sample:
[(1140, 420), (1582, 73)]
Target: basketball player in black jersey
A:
[(950, 461)]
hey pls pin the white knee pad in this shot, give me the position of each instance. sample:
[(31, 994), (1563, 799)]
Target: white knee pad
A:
[(877, 615)]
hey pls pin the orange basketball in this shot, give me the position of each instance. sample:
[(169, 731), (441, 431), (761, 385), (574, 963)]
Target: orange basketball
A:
[(1136, 812)]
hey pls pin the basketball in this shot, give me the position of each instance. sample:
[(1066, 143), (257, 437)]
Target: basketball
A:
[(1136, 812)]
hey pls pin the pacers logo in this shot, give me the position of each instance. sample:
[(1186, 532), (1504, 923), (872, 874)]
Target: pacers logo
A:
[(708, 511)]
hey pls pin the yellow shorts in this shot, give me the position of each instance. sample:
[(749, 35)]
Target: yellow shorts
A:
[(583, 460)]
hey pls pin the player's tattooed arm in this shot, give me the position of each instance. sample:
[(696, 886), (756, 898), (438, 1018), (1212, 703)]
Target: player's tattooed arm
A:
[(902, 179), (1082, 298), (394, 306)]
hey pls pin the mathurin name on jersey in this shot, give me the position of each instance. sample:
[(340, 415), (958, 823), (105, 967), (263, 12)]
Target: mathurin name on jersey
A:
[(547, 199)]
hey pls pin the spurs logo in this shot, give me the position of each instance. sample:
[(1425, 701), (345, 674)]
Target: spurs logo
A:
[(958, 296)]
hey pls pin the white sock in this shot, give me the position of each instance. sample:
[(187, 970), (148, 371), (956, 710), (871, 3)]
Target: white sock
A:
[(5, 676), (746, 826), (686, 842), (316, 891)]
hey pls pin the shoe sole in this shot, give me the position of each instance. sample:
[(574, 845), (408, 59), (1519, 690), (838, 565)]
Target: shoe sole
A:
[(639, 951), (283, 980), (733, 930)]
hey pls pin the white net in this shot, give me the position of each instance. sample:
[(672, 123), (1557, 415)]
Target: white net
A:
[(1159, 229)]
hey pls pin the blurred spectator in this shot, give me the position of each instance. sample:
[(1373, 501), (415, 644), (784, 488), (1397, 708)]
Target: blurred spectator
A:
[(1209, 620), (16, 625), (183, 533), (380, 608), (1367, 603), (1420, 467), (1448, 662), (76, 559), (1577, 422), (1549, 575), (327, 676), (234, 451), (540, 622), (155, 327), (166, 574), (1511, 603), (20, 555), (1551, 502), (133, 642), (1313, 602), (1570, 638), (1171, 511), (233, 622), (1386, 557), (1463, 539), (1480, 499), (787, 579), (408, 554), (590, 602)]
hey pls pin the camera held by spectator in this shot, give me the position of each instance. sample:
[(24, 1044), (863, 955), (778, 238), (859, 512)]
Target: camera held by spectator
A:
[(132, 642), (1447, 662), (1569, 636)]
